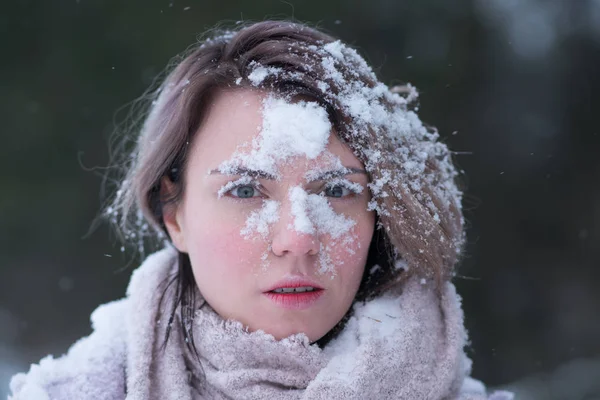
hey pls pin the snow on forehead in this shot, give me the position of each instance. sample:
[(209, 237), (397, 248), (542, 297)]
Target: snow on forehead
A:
[(288, 129)]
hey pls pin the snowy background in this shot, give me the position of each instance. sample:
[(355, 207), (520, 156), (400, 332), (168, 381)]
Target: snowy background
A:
[(513, 86)]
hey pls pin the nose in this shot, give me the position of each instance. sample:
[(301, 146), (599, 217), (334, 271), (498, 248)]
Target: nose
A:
[(288, 240)]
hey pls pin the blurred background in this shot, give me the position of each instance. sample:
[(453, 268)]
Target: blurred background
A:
[(512, 85)]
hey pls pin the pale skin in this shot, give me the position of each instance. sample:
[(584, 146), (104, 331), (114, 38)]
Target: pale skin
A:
[(229, 268)]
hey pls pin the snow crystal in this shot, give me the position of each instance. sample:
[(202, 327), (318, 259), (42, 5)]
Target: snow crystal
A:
[(377, 185), (331, 162), (335, 49), (289, 129), (259, 221), (374, 269), (299, 210), (401, 264), (264, 258), (260, 73), (326, 219), (352, 186), (294, 128), (313, 214), (330, 71), (323, 87), (326, 264), (310, 210)]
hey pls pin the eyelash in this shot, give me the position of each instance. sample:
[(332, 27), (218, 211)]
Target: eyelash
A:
[(257, 186), (353, 188)]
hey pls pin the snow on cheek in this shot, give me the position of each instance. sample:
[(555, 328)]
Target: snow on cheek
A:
[(337, 226), (257, 226), (313, 214), (258, 221), (326, 219)]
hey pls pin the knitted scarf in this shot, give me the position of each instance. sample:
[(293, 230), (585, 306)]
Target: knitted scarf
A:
[(408, 346)]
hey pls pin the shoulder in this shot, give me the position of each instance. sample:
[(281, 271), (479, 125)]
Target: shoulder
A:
[(93, 368)]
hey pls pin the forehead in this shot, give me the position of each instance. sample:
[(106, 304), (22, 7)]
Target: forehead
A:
[(239, 120)]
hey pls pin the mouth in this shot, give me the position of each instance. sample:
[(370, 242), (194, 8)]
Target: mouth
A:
[(295, 295), (294, 290)]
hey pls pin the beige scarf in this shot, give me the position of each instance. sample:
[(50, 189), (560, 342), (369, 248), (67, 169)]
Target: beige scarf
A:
[(405, 347)]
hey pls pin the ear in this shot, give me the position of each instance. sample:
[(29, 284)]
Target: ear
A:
[(172, 216)]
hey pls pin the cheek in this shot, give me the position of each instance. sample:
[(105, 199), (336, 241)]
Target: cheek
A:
[(349, 253), (218, 251)]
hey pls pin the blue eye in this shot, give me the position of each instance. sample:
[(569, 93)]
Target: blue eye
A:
[(336, 191), (244, 192)]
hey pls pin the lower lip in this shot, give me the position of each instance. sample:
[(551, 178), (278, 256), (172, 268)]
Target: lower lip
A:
[(295, 301)]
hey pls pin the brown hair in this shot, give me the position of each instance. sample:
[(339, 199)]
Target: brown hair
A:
[(418, 213)]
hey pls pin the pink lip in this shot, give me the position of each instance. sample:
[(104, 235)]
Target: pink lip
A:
[(293, 282), (294, 301)]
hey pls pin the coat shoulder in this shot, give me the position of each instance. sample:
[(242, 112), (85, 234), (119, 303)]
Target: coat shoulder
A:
[(93, 368)]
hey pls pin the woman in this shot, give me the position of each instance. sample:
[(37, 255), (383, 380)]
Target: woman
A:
[(311, 227)]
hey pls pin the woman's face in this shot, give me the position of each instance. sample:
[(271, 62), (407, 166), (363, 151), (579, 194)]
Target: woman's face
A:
[(274, 215)]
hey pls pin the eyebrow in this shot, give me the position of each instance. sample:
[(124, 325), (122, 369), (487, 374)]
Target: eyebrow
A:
[(257, 173), (337, 174)]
